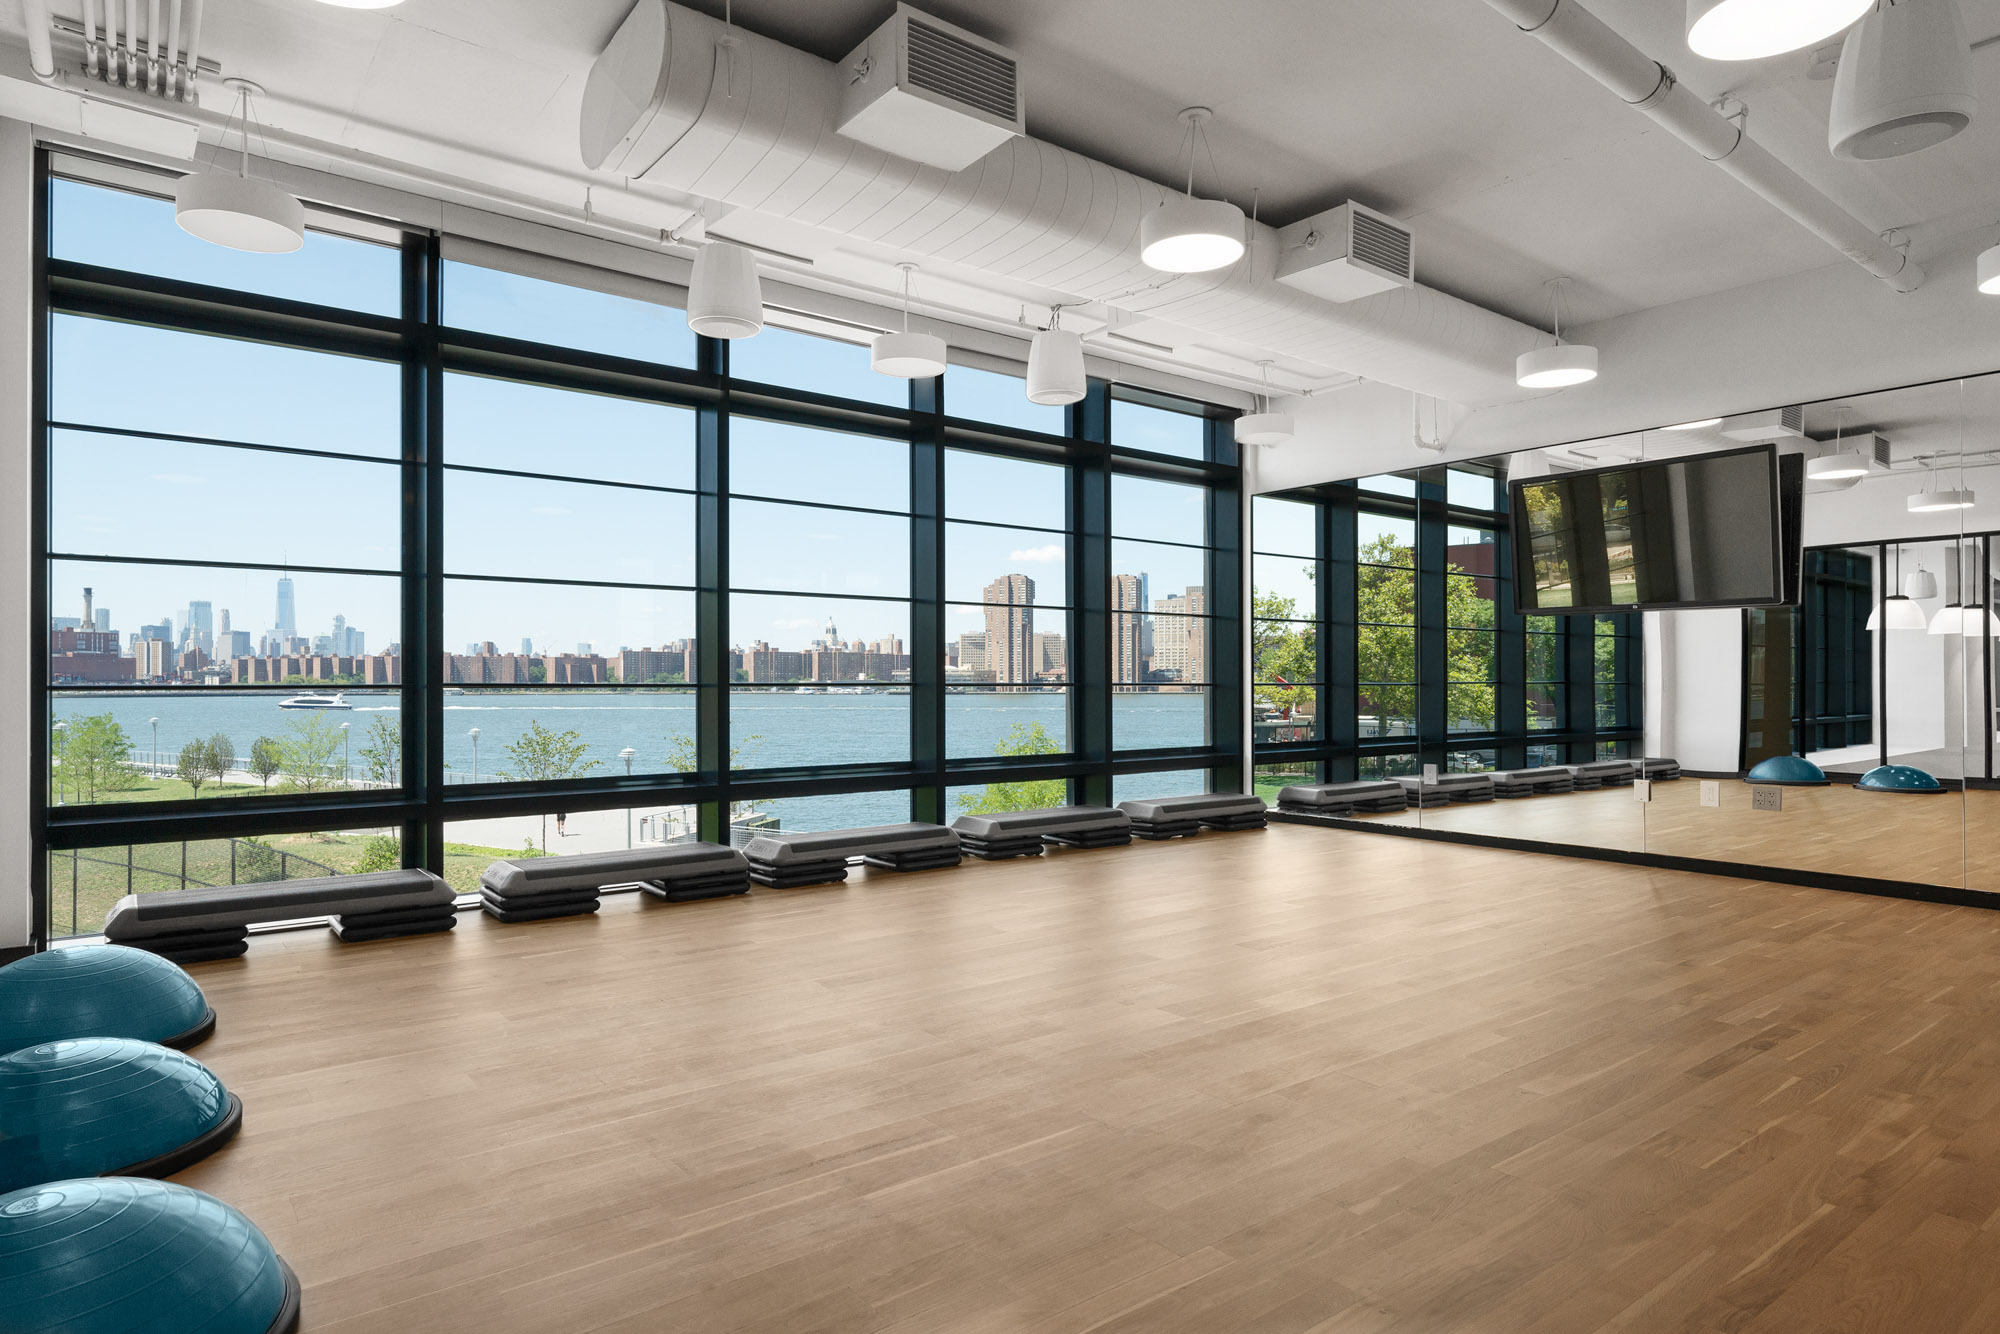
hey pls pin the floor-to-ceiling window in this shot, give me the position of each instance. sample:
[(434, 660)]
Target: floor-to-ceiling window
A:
[(406, 550)]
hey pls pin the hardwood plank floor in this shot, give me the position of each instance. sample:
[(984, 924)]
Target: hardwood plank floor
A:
[(1302, 1080)]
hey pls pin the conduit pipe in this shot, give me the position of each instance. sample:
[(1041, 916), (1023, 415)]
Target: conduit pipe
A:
[(41, 54), (1587, 42)]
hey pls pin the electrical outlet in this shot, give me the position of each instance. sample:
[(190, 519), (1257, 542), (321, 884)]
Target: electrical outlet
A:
[(1765, 798), (1711, 792), (1430, 775), (1642, 789)]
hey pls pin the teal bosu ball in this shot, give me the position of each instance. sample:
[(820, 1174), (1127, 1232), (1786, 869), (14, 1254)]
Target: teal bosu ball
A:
[(100, 991)]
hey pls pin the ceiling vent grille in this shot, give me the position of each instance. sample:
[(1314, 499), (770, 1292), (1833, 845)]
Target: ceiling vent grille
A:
[(925, 90), (1346, 253), (1380, 243), (1771, 424)]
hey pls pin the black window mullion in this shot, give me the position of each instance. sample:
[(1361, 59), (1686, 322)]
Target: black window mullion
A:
[(1089, 518), (711, 615), (423, 558), (927, 616)]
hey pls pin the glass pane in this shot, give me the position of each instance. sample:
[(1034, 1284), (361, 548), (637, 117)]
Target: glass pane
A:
[(1286, 586), (495, 302), (1541, 625), (1386, 710), (1470, 761), (980, 724), (815, 550), (470, 846), (1162, 570), (846, 810), (1470, 490), (103, 373), (1383, 540), (815, 640), (116, 495), (1158, 511), (1470, 550), (1545, 659), (1151, 787), (1150, 719), (1034, 794), (986, 396), (504, 633), (197, 745), (1544, 708), (793, 360), (821, 467), (205, 625), (1289, 527), (1022, 565), (1275, 777), (1284, 713), (999, 644), (84, 884), (1385, 596), (533, 428), (530, 527), (1378, 767), (1285, 652), (1011, 491), (790, 727), (1470, 602), (1157, 430), (1387, 485), (541, 736), (94, 224), (1154, 649)]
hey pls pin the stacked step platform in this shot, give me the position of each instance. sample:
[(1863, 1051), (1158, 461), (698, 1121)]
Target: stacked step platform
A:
[(536, 889), (793, 861), (1660, 770), (1023, 833), (1181, 817), (1341, 799), (1549, 780), (1601, 774), (192, 925), (1449, 790)]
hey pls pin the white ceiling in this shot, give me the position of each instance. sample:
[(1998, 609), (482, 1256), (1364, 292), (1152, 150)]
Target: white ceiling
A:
[(1511, 166)]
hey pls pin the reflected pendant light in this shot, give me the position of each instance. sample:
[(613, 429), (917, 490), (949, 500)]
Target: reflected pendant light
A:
[(1920, 584), (1897, 608), (1904, 81), (1701, 425), (1562, 365), (1840, 465), (1989, 271), (1950, 618), (1753, 29), (1265, 427), (1189, 235), (907, 355), (1960, 497), (1981, 621), (1055, 365), (725, 295), (239, 211)]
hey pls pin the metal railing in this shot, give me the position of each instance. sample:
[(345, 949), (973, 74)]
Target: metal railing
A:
[(250, 863)]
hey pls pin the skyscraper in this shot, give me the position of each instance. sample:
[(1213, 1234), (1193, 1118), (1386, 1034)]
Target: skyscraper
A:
[(198, 630), (1128, 663), (288, 620), (1010, 629)]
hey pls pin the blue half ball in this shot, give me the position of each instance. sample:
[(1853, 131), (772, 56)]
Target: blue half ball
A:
[(1898, 778), (100, 991), (1787, 771), (118, 1255), (99, 1106)]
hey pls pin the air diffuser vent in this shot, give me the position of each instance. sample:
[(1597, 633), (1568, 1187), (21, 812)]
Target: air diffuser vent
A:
[(1346, 253), (1771, 424), (930, 92), (1381, 244)]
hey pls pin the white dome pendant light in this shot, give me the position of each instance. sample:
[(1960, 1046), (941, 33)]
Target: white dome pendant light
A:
[(1055, 365), (1950, 618), (1989, 271), (1846, 467), (1904, 81), (1960, 497), (907, 355), (1189, 235), (1753, 29), (1562, 365), (239, 211), (1265, 427), (725, 296), (1903, 614)]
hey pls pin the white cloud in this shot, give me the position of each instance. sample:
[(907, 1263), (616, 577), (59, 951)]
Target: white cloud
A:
[(1049, 555)]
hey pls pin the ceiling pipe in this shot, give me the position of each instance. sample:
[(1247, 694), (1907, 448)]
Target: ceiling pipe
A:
[(41, 54), (1587, 42)]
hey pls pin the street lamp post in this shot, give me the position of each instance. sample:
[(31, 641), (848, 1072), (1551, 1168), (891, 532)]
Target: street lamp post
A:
[(346, 770), (474, 734), (626, 755), (156, 745)]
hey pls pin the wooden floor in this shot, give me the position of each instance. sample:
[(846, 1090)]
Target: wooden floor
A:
[(1303, 1080)]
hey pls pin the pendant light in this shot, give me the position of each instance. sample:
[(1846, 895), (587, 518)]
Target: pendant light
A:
[(1189, 235), (907, 355), (1055, 365), (1900, 612), (1960, 497), (1988, 271), (1265, 427), (1920, 584), (239, 211), (1980, 621), (1950, 618), (1701, 425), (1904, 81), (725, 296), (1753, 29), (1840, 465), (1562, 365)]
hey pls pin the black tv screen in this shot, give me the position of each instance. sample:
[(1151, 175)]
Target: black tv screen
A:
[(1707, 531)]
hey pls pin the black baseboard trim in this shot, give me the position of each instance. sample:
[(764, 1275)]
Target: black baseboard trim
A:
[(1847, 884)]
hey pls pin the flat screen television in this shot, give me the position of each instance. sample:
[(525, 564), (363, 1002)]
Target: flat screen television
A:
[(1706, 531)]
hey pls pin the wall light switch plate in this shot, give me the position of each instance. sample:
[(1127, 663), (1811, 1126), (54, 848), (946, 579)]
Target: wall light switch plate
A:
[(1642, 789), (1430, 775), (1711, 792), (1767, 798)]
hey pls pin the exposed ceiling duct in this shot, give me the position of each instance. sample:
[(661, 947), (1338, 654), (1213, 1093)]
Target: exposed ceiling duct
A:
[(680, 100), (1587, 42)]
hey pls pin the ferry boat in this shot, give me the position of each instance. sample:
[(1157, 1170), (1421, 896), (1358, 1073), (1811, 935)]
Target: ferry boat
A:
[(312, 701)]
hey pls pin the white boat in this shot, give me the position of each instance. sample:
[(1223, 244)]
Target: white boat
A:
[(312, 701)]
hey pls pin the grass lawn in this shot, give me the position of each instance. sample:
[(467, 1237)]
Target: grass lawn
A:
[(170, 789)]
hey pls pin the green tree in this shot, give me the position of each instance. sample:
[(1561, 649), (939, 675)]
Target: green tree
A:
[(308, 753), (1033, 795), (1286, 651), (221, 756), (197, 762), (266, 759), (97, 756), (1385, 605), (683, 758), (382, 749), (545, 756), (380, 853), (257, 862)]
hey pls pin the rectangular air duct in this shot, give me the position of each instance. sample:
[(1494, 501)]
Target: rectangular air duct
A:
[(1773, 424), (926, 90), (1346, 253)]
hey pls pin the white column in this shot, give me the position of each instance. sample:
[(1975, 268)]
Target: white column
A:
[(19, 640)]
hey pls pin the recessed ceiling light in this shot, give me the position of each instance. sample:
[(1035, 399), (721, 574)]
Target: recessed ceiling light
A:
[(1753, 29)]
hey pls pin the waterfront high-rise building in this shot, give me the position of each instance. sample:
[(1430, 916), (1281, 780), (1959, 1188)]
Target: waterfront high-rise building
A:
[(1010, 629), (1180, 630), (288, 618), (1128, 663), (972, 652), (89, 616), (198, 629), (1051, 655)]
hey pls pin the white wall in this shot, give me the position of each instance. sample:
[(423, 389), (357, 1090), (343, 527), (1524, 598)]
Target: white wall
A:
[(1694, 687), (17, 568)]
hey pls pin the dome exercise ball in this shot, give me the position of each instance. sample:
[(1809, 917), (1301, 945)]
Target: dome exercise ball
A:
[(1898, 778), (100, 991), (108, 1107), (111, 1255), (1788, 771)]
